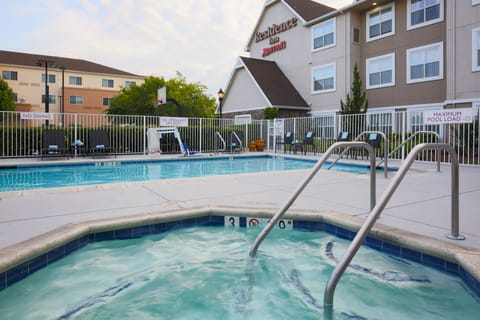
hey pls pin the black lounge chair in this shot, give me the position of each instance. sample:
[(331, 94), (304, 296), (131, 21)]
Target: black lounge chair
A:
[(53, 143), (99, 143), (309, 141), (287, 141), (374, 139)]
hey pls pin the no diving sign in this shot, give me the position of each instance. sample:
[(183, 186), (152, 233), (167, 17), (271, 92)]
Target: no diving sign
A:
[(448, 116)]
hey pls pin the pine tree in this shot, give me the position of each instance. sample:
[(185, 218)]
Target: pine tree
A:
[(358, 101)]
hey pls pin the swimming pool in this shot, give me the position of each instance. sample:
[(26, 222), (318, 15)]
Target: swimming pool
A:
[(199, 272), (102, 172)]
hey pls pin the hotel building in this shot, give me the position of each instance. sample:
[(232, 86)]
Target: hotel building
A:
[(411, 54), (74, 86)]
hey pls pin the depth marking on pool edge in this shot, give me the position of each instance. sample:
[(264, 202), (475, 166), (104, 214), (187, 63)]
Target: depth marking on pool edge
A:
[(253, 222)]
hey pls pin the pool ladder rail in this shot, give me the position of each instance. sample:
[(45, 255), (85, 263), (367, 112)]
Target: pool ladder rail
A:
[(375, 209)]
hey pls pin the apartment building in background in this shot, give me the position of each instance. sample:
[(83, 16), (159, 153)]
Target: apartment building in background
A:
[(411, 54), (74, 85)]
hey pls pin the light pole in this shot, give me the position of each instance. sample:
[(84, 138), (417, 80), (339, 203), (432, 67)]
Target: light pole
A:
[(42, 62), (62, 101), (221, 94)]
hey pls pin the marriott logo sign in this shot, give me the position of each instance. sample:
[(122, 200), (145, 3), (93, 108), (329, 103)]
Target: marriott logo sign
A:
[(276, 29)]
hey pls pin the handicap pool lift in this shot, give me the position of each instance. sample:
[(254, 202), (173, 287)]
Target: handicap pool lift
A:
[(176, 134)]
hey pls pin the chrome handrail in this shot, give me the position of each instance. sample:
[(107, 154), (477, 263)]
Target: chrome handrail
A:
[(238, 138), (385, 150), (304, 183), (375, 213), (410, 138), (223, 141)]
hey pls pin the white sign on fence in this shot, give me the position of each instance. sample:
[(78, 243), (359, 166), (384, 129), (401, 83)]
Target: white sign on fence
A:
[(448, 116), (173, 122), (36, 116)]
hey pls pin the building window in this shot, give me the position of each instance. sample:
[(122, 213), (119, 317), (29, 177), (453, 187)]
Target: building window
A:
[(51, 98), (76, 100), (51, 78), (381, 22), (356, 35), (9, 75), (75, 81), (107, 83), (476, 49), (106, 102), (323, 35), (423, 12), (425, 63), (381, 71), (128, 84), (324, 78)]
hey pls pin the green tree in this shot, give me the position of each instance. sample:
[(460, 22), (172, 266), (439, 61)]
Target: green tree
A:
[(358, 103), (270, 113), (187, 99), (7, 97)]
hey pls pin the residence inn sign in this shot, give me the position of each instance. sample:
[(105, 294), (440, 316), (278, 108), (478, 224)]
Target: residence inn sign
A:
[(272, 34)]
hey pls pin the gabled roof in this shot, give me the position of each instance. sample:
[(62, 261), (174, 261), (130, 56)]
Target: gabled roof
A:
[(31, 60), (306, 10), (274, 84)]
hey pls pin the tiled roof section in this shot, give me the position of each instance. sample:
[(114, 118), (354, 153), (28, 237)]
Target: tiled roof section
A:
[(31, 60), (274, 84), (308, 9)]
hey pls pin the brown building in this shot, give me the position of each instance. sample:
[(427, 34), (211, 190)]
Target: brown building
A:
[(74, 86)]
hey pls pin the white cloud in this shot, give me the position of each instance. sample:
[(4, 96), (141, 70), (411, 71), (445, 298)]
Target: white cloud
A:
[(201, 39)]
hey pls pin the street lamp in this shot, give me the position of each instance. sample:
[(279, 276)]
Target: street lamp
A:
[(62, 106), (221, 94), (42, 62)]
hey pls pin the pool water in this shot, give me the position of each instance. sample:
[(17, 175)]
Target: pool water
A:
[(36, 177), (205, 273)]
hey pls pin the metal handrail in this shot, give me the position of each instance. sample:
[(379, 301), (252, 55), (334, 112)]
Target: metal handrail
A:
[(375, 213), (304, 183), (221, 139), (385, 150), (238, 138), (410, 138)]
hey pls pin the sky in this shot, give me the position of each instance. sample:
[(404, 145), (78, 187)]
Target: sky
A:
[(201, 39)]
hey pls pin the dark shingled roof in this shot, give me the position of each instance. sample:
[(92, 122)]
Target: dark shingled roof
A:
[(274, 84), (30, 60), (308, 9)]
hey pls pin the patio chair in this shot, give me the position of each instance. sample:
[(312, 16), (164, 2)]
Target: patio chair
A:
[(309, 141), (53, 143), (352, 152), (99, 143), (374, 139)]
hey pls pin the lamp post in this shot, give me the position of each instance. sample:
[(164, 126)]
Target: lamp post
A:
[(62, 101), (42, 62), (221, 94)]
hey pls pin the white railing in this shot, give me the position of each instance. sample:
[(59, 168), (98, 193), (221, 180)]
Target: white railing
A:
[(21, 137)]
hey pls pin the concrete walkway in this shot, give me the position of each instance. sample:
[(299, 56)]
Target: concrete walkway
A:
[(420, 205)]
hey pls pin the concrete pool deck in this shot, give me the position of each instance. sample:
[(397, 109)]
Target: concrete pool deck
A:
[(421, 204)]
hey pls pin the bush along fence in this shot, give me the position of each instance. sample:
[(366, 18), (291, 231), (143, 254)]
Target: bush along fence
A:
[(21, 133)]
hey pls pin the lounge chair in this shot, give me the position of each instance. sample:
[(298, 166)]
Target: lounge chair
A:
[(99, 143), (374, 139), (290, 143), (309, 141), (53, 143), (287, 141)]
